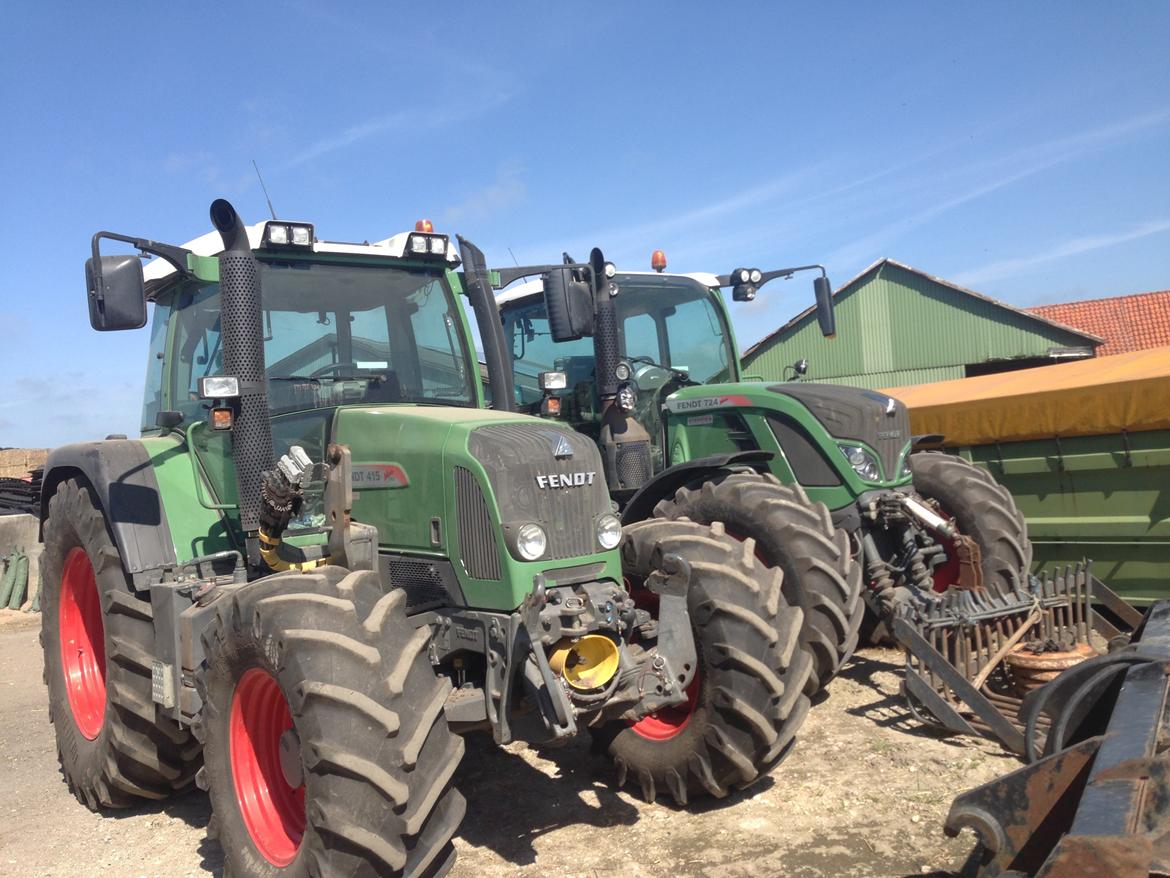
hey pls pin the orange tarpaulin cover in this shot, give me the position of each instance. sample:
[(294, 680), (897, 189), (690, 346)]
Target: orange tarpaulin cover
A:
[(1086, 398)]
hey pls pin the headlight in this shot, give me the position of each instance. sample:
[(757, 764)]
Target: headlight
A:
[(531, 542), (906, 471), (863, 462), (609, 531)]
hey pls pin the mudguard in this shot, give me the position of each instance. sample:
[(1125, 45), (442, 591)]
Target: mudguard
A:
[(641, 505), (121, 474)]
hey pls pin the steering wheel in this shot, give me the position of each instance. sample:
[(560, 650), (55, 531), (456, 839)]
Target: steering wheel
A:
[(331, 368)]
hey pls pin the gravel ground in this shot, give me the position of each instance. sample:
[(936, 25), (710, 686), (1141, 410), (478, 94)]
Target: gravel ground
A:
[(864, 793)]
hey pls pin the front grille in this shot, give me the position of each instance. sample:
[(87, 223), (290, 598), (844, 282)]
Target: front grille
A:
[(514, 455), (421, 580), (479, 550)]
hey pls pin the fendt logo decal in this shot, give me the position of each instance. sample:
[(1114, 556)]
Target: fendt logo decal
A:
[(706, 402), (561, 446), (565, 480), (368, 476)]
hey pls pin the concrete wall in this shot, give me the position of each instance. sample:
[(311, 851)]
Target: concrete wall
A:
[(19, 533)]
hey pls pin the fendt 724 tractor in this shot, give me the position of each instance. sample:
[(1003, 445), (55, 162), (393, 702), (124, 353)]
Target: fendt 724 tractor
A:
[(646, 363), (326, 556)]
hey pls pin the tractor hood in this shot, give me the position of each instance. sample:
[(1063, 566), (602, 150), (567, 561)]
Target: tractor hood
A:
[(498, 472), (850, 413)]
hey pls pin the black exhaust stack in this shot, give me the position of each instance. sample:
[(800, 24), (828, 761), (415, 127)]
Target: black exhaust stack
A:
[(243, 357)]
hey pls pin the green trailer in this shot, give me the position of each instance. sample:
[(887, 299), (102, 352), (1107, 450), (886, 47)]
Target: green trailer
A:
[(1084, 449)]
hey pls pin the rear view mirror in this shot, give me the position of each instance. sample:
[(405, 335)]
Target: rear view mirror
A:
[(116, 293), (569, 303), (824, 293)]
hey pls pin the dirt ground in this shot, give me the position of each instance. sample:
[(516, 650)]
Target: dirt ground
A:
[(864, 793)]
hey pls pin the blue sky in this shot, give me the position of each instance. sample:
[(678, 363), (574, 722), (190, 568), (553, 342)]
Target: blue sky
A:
[(1020, 149)]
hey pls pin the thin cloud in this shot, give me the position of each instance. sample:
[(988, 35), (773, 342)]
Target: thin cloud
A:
[(506, 191), (1026, 162), (1073, 247), (412, 121)]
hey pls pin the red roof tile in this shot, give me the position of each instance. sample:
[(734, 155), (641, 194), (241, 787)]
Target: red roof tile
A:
[(1127, 323)]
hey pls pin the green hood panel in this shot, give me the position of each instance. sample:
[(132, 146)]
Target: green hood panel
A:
[(422, 448), (725, 418)]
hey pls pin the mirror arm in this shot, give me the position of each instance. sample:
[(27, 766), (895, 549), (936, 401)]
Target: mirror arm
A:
[(509, 275), (176, 256), (726, 281)]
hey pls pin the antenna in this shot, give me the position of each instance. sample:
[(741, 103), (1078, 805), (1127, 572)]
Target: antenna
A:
[(513, 255), (265, 188)]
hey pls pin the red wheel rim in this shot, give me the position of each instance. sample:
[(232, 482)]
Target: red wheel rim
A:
[(273, 811), (946, 574), (83, 644), (665, 724)]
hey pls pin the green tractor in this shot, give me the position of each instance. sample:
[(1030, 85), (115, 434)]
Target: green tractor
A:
[(820, 476), (326, 557)]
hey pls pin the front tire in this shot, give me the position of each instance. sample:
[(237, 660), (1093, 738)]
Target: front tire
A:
[(981, 508), (748, 701), (797, 536), (114, 747), (327, 750)]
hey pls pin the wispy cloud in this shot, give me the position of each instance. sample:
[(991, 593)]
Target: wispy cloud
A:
[(413, 121), (990, 175), (506, 191), (1073, 247)]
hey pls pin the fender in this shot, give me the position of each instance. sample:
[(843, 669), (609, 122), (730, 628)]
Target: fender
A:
[(641, 505), (121, 474)]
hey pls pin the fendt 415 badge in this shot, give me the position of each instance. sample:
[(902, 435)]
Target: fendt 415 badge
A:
[(326, 556)]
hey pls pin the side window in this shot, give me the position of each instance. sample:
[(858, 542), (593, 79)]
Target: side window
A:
[(641, 337), (697, 344), (152, 393), (442, 368), (197, 351)]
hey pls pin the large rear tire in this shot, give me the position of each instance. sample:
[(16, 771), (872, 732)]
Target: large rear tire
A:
[(748, 699), (327, 750), (982, 509), (796, 535), (114, 747)]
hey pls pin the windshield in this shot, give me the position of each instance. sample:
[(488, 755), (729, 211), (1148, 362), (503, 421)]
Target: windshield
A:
[(669, 321), (333, 335)]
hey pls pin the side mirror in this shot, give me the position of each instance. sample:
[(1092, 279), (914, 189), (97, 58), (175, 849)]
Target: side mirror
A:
[(800, 367), (116, 293), (569, 303), (824, 293)]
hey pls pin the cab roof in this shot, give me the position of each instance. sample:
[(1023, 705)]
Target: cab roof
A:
[(517, 292)]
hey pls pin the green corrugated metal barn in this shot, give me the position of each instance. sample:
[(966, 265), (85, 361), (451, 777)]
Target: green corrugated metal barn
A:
[(897, 325)]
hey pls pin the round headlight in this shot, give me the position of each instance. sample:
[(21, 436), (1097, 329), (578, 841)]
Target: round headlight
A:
[(857, 456), (622, 371), (609, 531), (757, 275), (531, 542)]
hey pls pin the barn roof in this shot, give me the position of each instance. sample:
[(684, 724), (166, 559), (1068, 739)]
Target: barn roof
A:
[(1127, 323), (875, 267)]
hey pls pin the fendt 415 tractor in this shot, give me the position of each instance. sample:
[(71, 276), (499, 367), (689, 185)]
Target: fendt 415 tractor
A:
[(647, 365), (325, 556)]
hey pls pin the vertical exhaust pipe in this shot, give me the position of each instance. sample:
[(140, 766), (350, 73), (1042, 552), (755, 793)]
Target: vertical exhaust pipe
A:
[(243, 357)]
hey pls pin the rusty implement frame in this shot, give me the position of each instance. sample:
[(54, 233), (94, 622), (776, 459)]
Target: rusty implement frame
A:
[(955, 674), (1095, 801)]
